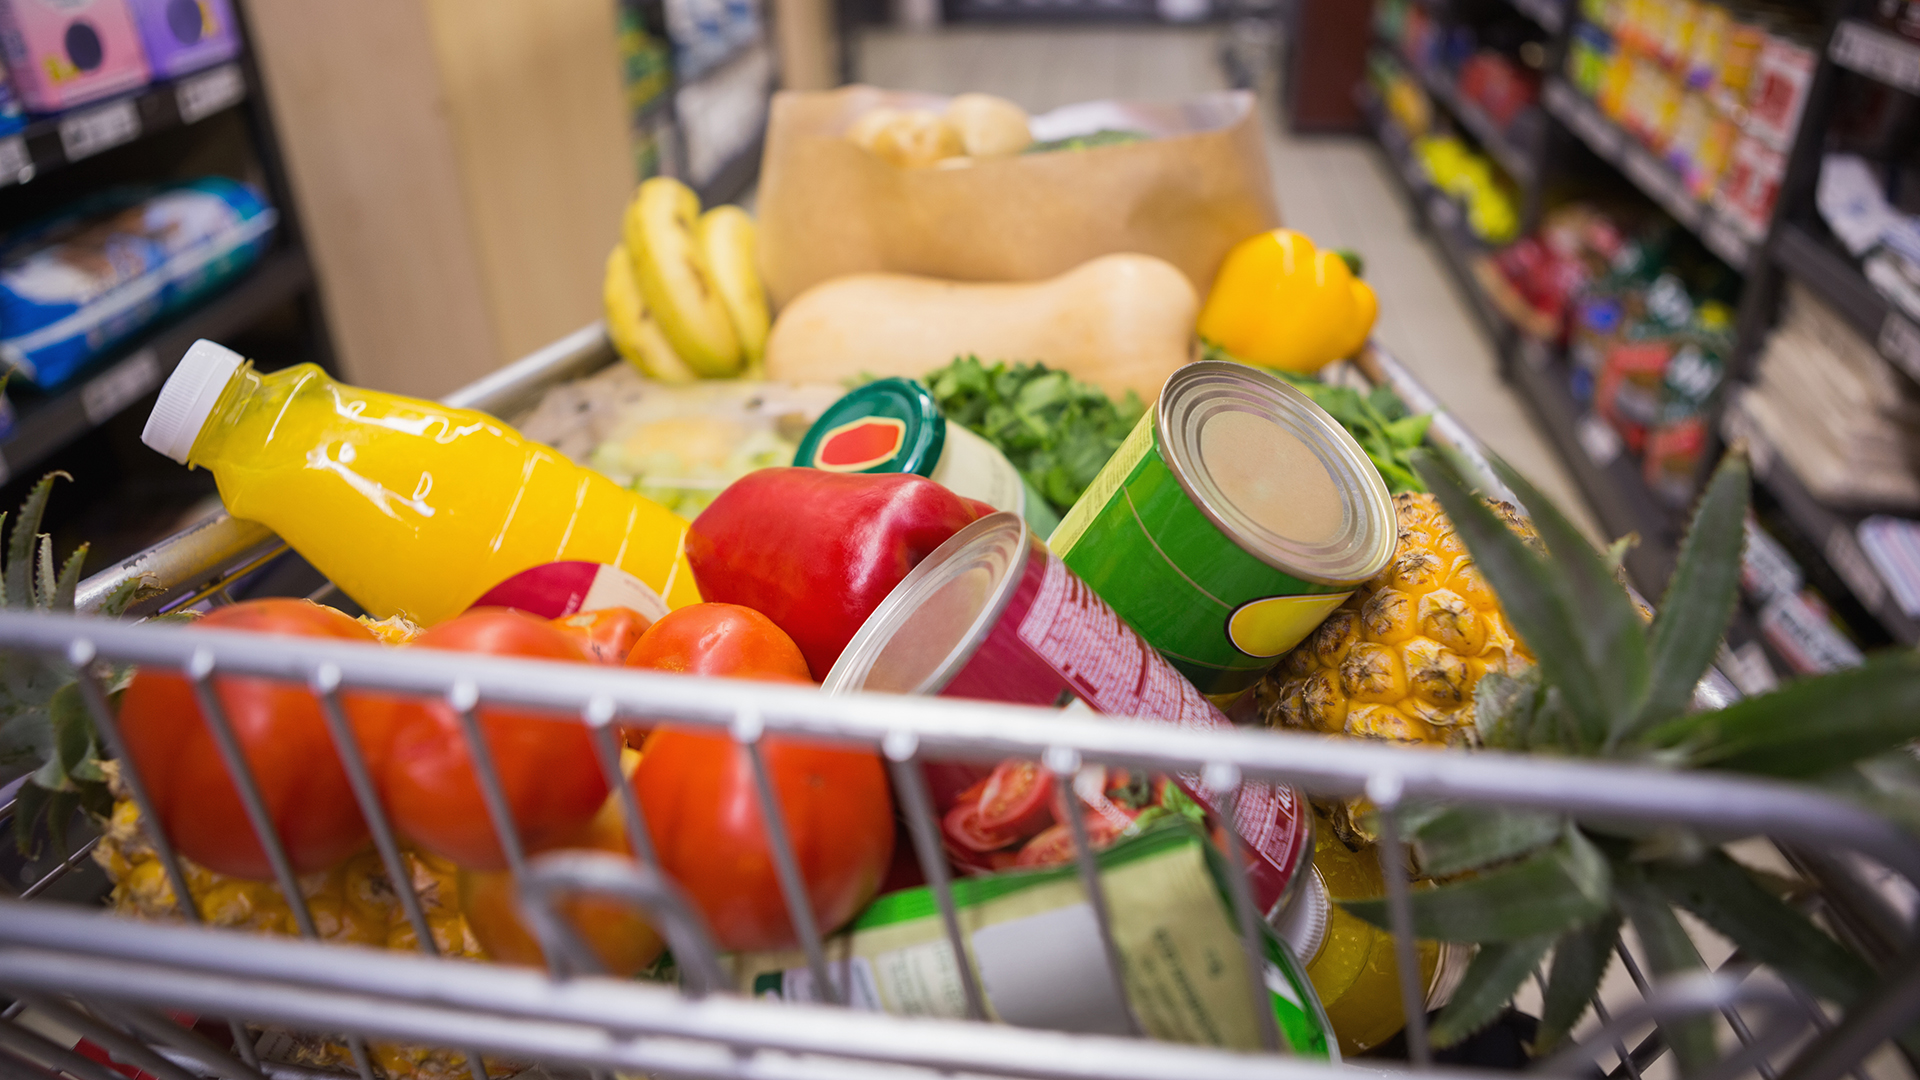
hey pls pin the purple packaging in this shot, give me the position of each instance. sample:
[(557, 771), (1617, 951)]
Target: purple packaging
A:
[(185, 35), (63, 53)]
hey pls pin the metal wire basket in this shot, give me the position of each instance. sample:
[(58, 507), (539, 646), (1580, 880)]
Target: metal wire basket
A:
[(113, 982)]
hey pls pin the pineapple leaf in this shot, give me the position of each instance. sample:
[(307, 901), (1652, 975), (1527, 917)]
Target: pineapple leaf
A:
[(1616, 554), (1888, 783), (1553, 890), (1700, 596), (1530, 591), (68, 583), (1470, 837), (1862, 711), (20, 544), (1580, 961), (1496, 972), (60, 808), (44, 584), (1607, 623), (116, 602), (1669, 952), (1504, 707), (28, 806), (1726, 897)]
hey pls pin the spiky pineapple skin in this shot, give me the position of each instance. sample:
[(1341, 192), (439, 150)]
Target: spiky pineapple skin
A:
[(1399, 661), (353, 903)]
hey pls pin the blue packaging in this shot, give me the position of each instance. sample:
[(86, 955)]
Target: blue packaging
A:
[(76, 285)]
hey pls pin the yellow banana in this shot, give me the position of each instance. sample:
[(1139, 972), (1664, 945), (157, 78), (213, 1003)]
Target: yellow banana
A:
[(730, 243), (635, 334), (675, 282)]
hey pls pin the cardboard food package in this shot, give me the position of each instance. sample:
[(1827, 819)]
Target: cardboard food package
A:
[(1197, 186)]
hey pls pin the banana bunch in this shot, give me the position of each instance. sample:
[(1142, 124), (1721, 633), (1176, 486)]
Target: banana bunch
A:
[(683, 293)]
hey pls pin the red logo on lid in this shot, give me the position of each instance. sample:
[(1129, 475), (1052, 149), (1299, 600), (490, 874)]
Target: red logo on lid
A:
[(860, 444)]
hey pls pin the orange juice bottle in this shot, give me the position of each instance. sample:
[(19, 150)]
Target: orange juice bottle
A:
[(409, 507)]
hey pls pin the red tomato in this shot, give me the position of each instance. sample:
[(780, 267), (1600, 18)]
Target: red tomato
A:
[(285, 740), (1017, 799), (609, 633), (546, 761), (718, 639), (703, 809), (1055, 846), (617, 933)]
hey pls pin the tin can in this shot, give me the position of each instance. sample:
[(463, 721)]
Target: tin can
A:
[(994, 615), (894, 425), (1231, 522)]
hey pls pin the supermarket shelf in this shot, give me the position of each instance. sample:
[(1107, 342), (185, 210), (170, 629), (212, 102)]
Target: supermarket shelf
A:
[(731, 179), (1607, 475), (1443, 217), (1648, 173), (1550, 14), (700, 66), (46, 425), (1831, 531), (1440, 85), (54, 142), (1877, 54), (1835, 279)]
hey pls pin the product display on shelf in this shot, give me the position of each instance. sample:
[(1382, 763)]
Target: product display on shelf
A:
[(1642, 352)]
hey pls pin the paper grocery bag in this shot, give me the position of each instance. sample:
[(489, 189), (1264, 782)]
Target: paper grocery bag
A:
[(827, 207)]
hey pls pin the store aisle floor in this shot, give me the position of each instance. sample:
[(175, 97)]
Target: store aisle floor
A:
[(1334, 189)]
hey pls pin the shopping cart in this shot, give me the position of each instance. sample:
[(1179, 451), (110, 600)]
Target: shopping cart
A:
[(115, 982)]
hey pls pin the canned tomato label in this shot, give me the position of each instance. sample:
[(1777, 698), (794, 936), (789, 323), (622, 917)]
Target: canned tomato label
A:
[(993, 615), (894, 425), (1232, 521)]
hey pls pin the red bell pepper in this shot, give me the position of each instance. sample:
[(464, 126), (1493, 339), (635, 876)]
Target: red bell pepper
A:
[(817, 551)]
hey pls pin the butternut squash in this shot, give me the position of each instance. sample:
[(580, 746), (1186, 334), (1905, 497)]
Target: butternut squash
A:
[(1121, 322)]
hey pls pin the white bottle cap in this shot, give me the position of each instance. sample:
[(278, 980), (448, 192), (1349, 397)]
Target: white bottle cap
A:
[(188, 397), (1303, 924)]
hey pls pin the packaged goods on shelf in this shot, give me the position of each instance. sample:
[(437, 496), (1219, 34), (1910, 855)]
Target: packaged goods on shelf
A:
[(71, 53), (185, 37), (1803, 630), (1766, 570), (73, 286), (1829, 404), (1893, 546), (1492, 212), (1853, 204), (1498, 85)]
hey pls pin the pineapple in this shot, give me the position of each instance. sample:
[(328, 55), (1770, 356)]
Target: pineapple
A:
[(1535, 889), (1400, 660)]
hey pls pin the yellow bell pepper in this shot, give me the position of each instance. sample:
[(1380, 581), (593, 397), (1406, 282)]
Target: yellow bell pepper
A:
[(1277, 302)]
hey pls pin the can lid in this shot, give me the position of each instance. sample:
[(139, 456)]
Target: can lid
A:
[(887, 426), (929, 626), (1275, 473), (1303, 923), (188, 398)]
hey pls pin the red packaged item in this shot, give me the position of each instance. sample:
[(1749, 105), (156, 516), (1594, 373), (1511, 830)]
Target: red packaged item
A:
[(1782, 78), (817, 551), (993, 615), (1751, 183), (1631, 383)]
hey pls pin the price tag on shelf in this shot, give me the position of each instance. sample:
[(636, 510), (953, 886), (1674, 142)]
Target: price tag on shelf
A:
[(1850, 562), (16, 165), (1900, 342), (1877, 54), (86, 133), (1598, 439), (120, 386), (1547, 13), (200, 96)]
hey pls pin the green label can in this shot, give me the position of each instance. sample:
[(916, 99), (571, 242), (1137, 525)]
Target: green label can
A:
[(1232, 521)]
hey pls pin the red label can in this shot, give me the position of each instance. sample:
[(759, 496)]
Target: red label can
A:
[(994, 615)]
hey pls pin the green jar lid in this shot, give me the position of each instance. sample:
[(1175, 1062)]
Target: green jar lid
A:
[(891, 425)]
